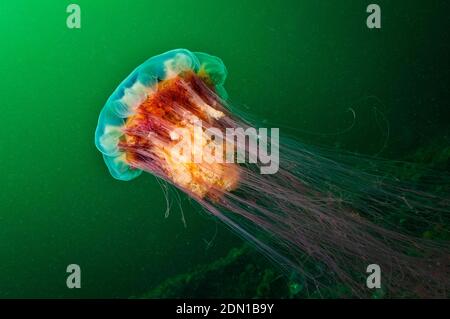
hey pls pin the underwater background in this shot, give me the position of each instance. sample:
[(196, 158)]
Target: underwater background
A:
[(312, 68)]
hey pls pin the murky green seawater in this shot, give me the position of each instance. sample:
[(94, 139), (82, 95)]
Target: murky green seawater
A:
[(301, 64)]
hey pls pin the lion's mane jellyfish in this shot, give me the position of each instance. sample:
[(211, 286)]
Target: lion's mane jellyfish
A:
[(323, 215)]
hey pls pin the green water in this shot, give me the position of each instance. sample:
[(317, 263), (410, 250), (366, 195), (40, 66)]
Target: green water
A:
[(301, 64)]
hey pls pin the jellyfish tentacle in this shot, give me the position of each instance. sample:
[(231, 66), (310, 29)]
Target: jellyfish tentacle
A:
[(318, 205)]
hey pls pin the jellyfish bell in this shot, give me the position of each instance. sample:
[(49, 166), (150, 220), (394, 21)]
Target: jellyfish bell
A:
[(139, 127), (319, 205)]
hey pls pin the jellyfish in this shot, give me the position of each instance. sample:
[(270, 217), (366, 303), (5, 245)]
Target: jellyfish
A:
[(319, 213)]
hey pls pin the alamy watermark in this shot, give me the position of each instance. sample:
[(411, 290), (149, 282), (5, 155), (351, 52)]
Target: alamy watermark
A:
[(73, 20), (374, 279), (230, 145), (74, 279)]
